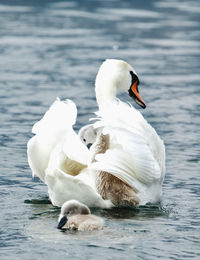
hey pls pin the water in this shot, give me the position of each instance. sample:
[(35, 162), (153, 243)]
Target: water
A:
[(54, 48)]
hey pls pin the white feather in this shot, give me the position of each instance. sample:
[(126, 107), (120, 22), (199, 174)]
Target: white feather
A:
[(63, 187), (55, 148), (136, 154), (55, 129), (60, 116)]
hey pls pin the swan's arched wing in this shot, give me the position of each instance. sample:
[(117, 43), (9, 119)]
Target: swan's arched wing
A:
[(129, 163), (60, 116), (63, 187), (38, 151), (55, 129), (75, 149), (136, 151)]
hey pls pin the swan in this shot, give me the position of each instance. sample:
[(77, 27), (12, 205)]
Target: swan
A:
[(77, 216), (125, 165), (128, 155)]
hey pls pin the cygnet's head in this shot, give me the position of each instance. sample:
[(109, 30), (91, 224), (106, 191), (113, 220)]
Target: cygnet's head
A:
[(88, 134), (71, 208), (117, 74)]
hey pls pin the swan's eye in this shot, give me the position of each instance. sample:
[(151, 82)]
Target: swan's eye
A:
[(84, 140)]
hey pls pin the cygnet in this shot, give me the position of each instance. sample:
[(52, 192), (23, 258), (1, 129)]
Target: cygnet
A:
[(75, 215), (88, 134)]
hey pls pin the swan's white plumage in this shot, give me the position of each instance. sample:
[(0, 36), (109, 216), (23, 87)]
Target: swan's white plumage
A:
[(136, 154), (54, 119), (50, 131), (62, 187), (55, 148)]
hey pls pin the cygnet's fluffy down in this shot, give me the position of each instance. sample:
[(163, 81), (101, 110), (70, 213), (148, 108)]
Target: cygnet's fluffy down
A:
[(88, 134), (77, 216)]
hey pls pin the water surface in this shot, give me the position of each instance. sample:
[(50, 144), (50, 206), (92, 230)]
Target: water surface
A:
[(54, 48)]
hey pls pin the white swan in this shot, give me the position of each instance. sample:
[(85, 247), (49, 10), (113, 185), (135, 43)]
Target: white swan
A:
[(129, 156)]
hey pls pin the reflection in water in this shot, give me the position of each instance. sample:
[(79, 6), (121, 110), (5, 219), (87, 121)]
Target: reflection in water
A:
[(148, 211), (44, 206)]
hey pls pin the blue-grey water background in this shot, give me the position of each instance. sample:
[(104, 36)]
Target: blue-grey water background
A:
[(54, 48)]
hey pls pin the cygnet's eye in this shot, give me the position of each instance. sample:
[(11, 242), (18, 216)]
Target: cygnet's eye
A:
[(84, 140)]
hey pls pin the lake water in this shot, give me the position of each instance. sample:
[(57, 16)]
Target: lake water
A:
[(54, 48)]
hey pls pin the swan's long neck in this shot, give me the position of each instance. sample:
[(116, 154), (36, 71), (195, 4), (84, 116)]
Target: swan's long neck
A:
[(110, 77), (105, 92)]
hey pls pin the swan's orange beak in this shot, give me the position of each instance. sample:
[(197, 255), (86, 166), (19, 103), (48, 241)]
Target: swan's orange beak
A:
[(134, 93)]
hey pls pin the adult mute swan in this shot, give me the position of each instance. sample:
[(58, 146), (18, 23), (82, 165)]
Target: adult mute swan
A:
[(128, 156), (126, 163)]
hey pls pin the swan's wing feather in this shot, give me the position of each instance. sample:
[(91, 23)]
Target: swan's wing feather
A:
[(63, 187), (75, 149), (59, 159), (127, 168), (38, 152), (134, 140), (55, 129), (60, 116)]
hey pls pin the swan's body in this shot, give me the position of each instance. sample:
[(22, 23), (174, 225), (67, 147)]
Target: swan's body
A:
[(130, 171), (126, 164), (77, 216), (135, 154)]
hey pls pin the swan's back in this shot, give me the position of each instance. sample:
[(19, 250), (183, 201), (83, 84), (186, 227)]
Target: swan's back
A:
[(136, 154)]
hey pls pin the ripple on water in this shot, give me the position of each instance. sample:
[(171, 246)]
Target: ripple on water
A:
[(54, 48)]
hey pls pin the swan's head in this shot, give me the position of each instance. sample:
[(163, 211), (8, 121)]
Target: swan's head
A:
[(117, 74), (70, 208)]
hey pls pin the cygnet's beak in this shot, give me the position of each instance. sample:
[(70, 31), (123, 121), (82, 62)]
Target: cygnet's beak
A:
[(89, 145), (134, 93), (62, 222)]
